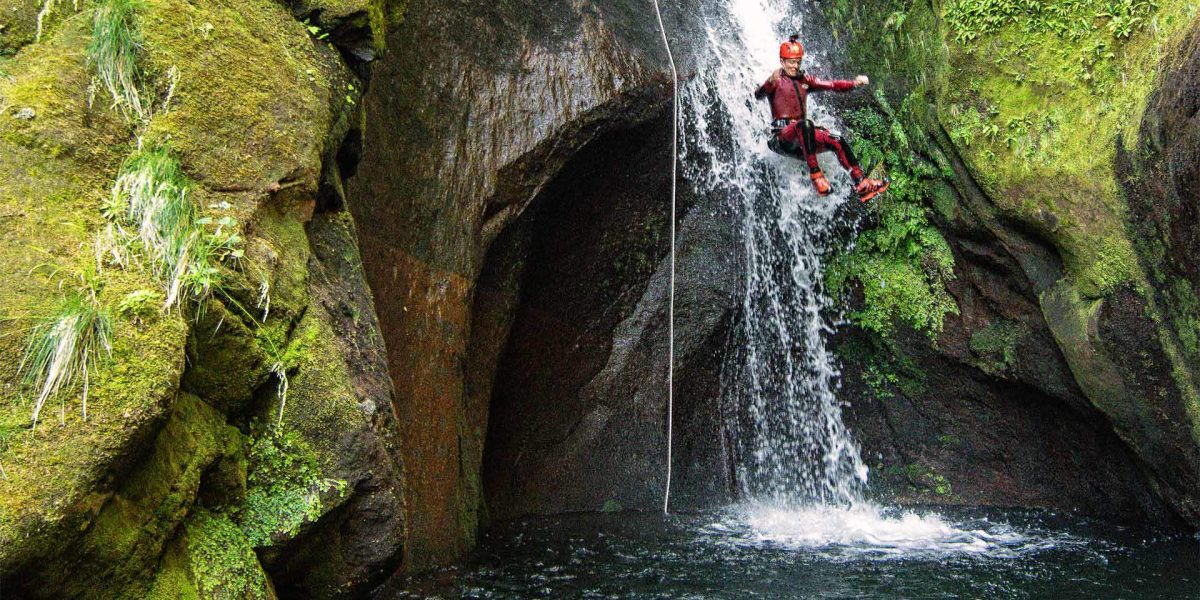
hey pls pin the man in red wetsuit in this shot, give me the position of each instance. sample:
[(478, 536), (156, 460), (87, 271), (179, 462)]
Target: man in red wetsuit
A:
[(788, 89)]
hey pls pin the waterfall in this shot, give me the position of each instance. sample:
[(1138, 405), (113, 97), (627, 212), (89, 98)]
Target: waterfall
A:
[(801, 476), (793, 446)]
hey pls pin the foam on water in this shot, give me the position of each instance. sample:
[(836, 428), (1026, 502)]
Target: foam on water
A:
[(872, 532)]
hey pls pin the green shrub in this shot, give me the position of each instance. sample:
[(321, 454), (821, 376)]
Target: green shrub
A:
[(901, 260)]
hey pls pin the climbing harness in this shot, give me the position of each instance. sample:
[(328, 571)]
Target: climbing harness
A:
[(671, 303)]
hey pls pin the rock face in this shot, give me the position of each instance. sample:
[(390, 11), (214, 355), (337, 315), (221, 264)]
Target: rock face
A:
[(506, 177), (237, 446), (581, 384), (491, 202), (1071, 317), (1160, 172)]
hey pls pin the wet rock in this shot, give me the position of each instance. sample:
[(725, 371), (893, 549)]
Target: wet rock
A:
[(1057, 323), (581, 386), (472, 115)]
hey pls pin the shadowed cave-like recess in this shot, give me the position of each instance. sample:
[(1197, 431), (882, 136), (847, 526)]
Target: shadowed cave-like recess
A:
[(574, 424)]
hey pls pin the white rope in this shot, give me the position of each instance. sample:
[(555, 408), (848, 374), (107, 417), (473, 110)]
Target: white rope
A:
[(671, 304)]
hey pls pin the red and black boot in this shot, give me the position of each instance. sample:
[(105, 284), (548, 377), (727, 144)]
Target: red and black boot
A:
[(868, 188), (820, 183)]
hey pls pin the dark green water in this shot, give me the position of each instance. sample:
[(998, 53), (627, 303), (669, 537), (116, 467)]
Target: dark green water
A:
[(970, 554)]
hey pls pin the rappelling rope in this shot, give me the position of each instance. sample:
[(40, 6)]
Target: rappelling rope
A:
[(671, 294)]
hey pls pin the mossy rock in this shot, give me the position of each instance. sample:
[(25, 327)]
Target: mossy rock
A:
[(90, 508), (21, 21), (47, 106), (211, 560), (18, 24), (287, 487), (358, 26), (51, 179), (253, 101), (116, 545)]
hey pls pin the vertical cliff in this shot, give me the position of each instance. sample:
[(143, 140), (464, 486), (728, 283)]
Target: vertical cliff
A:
[(1012, 130), (238, 439), (513, 197)]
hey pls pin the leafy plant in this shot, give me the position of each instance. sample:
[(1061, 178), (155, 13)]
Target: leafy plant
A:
[(901, 262), (315, 30), (66, 346), (115, 54), (1071, 19), (138, 305), (284, 486)]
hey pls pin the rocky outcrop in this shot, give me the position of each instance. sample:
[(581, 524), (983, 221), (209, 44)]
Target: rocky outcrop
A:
[(492, 207), (183, 480), (1065, 335)]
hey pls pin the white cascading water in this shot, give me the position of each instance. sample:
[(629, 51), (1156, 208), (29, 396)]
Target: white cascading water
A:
[(799, 469), (795, 446)]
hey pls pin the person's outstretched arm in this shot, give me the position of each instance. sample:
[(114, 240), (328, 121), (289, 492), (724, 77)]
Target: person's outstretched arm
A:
[(838, 85), (768, 87)]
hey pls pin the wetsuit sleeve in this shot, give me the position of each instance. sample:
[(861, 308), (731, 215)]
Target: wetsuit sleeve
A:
[(767, 88), (837, 85)]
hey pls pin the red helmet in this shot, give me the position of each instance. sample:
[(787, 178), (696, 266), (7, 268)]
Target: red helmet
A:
[(791, 49)]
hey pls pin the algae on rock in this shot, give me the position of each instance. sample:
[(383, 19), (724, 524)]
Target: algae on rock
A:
[(258, 109), (1031, 104)]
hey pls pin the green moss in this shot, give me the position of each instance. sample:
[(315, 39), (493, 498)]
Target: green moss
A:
[(50, 206), (212, 560), (1187, 323), (140, 306), (1034, 97), (1048, 91), (284, 487), (255, 93), (51, 80), (18, 24), (886, 368), (226, 361), (996, 345), (121, 535), (173, 578), (223, 562), (249, 123), (611, 506), (925, 479)]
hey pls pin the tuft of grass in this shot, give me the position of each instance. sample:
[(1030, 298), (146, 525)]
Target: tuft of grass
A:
[(153, 220), (152, 217), (66, 346), (115, 54)]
